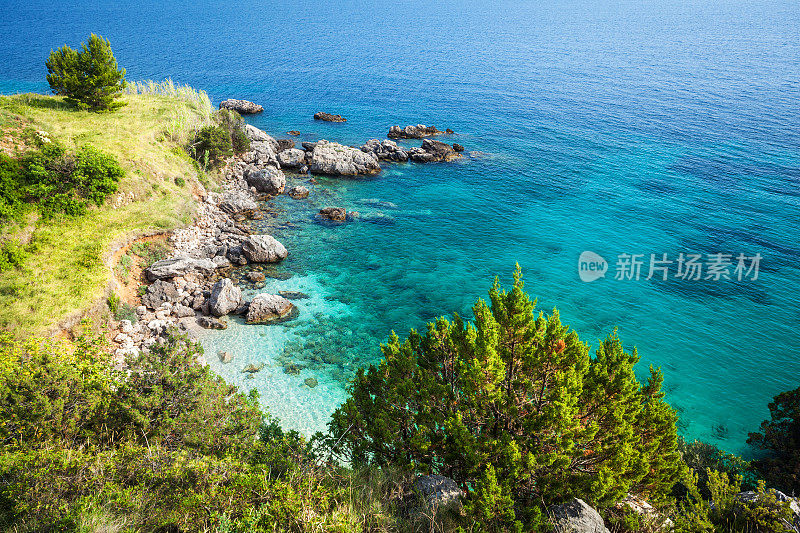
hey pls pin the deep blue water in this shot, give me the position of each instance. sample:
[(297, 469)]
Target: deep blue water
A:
[(617, 127)]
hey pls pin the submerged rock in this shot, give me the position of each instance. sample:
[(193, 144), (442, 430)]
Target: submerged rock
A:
[(292, 369), (266, 308), (293, 295), (243, 107), (327, 117), (256, 276), (311, 382), (338, 160), (225, 298), (208, 322), (179, 266), (336, 214), (225, 357), (269, 180), (385, 150), (252, 369), (420, 131), (264, 249)]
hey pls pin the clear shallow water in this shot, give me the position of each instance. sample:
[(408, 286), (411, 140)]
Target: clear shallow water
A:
[(614, 127)]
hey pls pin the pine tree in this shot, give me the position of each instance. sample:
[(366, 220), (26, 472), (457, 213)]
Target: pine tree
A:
[(513, 407), (90, 77)]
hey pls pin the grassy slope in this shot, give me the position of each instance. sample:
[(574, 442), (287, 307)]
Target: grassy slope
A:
[(65, 272)]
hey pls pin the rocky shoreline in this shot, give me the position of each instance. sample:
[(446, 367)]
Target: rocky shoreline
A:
[(192, 290)]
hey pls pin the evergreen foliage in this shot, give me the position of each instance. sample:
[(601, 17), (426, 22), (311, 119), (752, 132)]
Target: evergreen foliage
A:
[(513, 404), (779, 437), (88, 77)]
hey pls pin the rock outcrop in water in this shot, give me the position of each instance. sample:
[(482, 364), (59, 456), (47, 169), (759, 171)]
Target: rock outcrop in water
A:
[(336, 214), (264, 249), (225, 298), (265, 308), (433, 151), (385, 150), (298, 192), (243, 107), (292, 158), (338, 160), (420, 131), (327, 117)]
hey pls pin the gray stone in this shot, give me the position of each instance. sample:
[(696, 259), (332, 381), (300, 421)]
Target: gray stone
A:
[(208, 322), (263, 249), (336, 214), (225, 298), (385, 150), (269, 180), (179, 266), (419, 131), (292, 158), (182, 311), (225, 357), (438, 492), (158, 293), (338, 160), (266, 308), (433, 151), (576, 516), (243, 107), (298, 192), (237, 202), (327, 117)]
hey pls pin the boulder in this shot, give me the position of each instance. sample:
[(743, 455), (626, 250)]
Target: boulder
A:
[(243, 107), (294, 133), (269, 180), (257, 135), (263, 148), (256, 276), (576, 516), (208, 322), (237, 202), (338, 160), (292, 158), (266, 308), (458, 148), (182, 311), (433, 151), (420, 131), (327, 117), (158, 293), (337, 214), (179, 266), (438, 492), (225, 298), (385, 150), (225, 357), (263, 249), (298, 192), (252, 368), (284, 144)]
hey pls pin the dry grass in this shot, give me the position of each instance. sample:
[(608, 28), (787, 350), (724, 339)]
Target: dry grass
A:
[(65, 273)]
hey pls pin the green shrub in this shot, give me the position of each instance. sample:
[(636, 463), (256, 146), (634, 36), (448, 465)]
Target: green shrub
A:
[(89, 77), (12, 255), (704, 458), (233, 123), (150, 251), (62, 182), (212, 146), (11, 199), (512, 404), (779, 437), (179, 181)]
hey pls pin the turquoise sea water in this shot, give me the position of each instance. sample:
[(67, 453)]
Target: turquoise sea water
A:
[(635, 127)]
